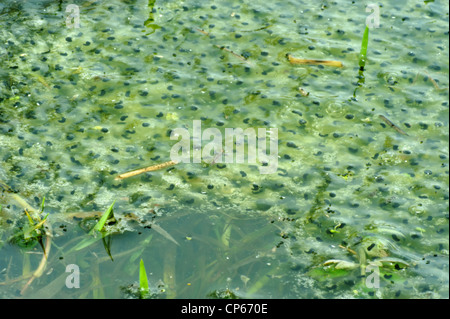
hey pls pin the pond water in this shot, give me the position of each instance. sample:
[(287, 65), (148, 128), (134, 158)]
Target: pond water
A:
[(357, 208)]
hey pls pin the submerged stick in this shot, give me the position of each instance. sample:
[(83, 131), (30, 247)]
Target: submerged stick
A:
[(146, 169), (313, 62), (48, 242), (395, 127), (40, 270)]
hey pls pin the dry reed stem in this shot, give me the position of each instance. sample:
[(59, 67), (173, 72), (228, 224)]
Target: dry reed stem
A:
[(313, 62), (146, 169)]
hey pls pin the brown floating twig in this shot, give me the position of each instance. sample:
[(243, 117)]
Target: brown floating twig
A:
[(146, 169), (395, 127), (313, 62)]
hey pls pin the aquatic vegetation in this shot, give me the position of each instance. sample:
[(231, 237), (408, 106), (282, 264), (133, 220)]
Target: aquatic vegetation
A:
[(33, 231), (99, 230), (143, 281), (364, 45)]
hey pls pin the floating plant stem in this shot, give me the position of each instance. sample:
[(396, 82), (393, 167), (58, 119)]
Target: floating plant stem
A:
[(146, 169), (395, 127), (293, 60), (363, 53)]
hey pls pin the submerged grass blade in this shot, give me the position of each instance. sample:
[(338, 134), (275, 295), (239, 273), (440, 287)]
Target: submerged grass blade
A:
[(169, 277), (107, 245), (143, 281), (363, 52), (164, 233), (42, 205), (226, 235), (85, 243)]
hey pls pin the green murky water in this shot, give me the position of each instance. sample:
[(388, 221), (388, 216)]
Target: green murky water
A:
[(80, 106)]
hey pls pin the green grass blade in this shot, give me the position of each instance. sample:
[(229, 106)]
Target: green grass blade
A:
[(141, 250), (143, 281), (42, 205), (87, 241), (30, 220), (363, 53), (164, 233), (105, 217), (107, 245), (226, 235)]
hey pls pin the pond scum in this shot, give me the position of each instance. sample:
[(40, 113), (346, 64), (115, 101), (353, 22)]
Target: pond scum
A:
[(86, 116)]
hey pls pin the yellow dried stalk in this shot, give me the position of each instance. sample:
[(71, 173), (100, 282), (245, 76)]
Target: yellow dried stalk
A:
[(146, 169), (313, 62)]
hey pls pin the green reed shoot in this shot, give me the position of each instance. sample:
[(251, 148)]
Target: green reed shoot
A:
[(98, 228), (101, 223), (143, 281), (35, 223), (363, 53)]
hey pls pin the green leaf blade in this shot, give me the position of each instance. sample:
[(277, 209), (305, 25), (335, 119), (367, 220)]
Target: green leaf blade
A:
[(364, 45), (101, 223), (143, 281)]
